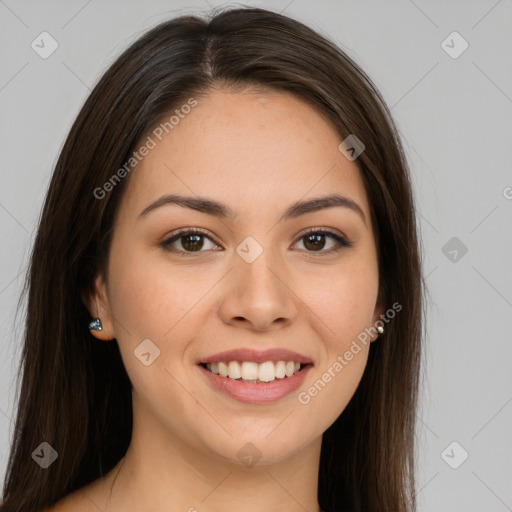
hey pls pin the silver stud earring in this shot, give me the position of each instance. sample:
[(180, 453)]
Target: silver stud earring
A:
[(95, 325)]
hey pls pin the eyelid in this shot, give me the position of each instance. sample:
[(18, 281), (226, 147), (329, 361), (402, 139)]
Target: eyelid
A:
[(190, 230), (322, 230)]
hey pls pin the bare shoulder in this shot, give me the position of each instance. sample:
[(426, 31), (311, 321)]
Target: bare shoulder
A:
[(85, 499), (71, 502), (89, 498)]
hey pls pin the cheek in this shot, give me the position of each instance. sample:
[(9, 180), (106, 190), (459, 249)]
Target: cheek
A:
[(151, 301), (149, 297), (343, 299), (341, 311)]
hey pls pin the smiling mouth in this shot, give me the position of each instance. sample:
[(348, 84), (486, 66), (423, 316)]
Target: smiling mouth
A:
[(250, 372)]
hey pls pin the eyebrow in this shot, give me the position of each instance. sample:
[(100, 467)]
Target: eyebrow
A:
[(216, 209)]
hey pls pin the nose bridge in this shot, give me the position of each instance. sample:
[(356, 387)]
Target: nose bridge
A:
[(257, 291), (256, 272)]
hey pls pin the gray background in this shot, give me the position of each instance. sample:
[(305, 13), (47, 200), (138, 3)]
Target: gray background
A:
[(455, 118)]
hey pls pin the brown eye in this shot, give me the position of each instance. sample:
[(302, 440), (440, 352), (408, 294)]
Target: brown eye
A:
[(188, 241), (314, 242), (318, 240), (192, 242)]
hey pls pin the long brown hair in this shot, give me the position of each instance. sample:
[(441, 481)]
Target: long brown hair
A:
[(75, 393)]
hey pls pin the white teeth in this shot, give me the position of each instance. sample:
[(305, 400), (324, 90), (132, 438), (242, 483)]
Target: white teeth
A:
[(254, 372), (234, 370), (249, 371), (266, 371), (290, 368), (280, 370), (223, 369)]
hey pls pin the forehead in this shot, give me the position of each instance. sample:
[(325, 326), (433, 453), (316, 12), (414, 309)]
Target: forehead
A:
[(250, 148)]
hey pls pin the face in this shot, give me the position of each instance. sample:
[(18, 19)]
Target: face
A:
[(218, 248)]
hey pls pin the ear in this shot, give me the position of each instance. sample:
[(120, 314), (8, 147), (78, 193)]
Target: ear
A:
[(379, 310), (96, 301)]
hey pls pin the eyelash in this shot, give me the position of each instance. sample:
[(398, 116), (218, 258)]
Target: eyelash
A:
[(342, 242)]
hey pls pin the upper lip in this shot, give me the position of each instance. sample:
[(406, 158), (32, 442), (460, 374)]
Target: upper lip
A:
[(256, 356)]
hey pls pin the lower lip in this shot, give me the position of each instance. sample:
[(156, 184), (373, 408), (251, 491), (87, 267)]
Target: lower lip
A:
[(257, 393)]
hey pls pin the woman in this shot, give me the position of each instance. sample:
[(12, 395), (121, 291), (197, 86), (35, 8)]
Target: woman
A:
[(224, 297)]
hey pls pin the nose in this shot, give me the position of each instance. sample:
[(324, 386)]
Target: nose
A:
[(258, 295)]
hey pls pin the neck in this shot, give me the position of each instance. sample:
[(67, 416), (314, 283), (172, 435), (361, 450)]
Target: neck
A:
[(160, 470)]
